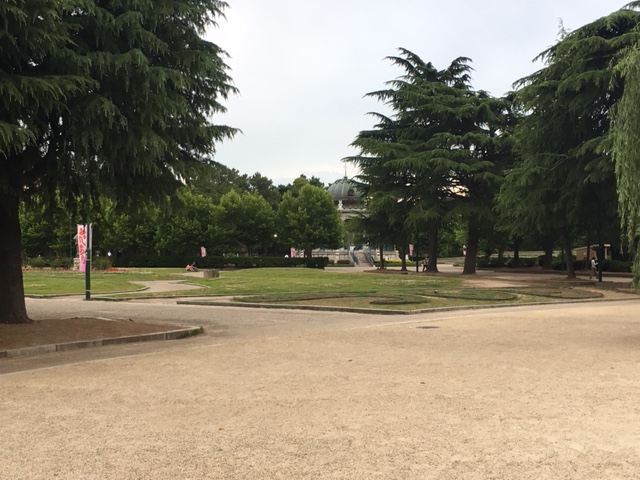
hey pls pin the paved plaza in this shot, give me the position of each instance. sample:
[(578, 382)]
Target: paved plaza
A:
[(535, 392)]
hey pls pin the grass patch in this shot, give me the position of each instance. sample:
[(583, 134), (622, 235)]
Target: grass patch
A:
[(484, 294), (262, 281), (400, 300), (562, 293), (191, 333), (294, 297), (302, 286), (258, 281), (60, 282)]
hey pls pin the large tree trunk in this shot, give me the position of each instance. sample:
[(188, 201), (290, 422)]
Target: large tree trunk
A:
[(568, 258), (432, 265), (403, 259), (382, 257), (516, 249), (12, 306), (473, 238), (547, 260)]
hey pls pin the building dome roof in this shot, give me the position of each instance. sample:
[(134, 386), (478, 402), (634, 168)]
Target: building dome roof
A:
[(345, 191)]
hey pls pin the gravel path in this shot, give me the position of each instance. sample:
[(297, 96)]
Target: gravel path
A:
[(538, 392)]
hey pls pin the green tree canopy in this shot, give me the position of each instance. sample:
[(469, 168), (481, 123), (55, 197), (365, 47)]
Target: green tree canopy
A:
[(626, 150), (186, 225), (114, 98), (309, 220), (565, 181), (244, 222), (441, 151)]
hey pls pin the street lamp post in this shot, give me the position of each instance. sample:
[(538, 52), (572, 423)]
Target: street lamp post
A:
[(71, 236), (87, 250)]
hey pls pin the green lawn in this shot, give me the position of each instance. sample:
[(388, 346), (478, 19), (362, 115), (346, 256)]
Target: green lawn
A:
[(305, 280), (298, 286), (60, 282), (234, 282)]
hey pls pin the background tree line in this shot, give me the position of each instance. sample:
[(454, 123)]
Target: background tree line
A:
[(107, 112), (549, 165), (222, 210)]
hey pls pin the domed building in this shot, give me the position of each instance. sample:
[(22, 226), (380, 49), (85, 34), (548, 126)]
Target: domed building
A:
[(346, 197), (350, 202)]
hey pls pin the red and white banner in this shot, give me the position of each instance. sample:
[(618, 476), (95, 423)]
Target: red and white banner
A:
[(203, 252), (83, 247), (81, 242), (293, 253)]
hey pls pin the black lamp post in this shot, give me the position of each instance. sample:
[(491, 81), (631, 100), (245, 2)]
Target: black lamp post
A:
[(71, 236), (87, 250)]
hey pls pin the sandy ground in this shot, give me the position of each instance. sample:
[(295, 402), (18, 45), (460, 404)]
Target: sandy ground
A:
[(537, 392)]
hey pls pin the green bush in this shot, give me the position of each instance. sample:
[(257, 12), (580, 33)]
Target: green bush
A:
[(100, 263), (607, 266), (43, 262), (217, 261), (616, 266), (390, 263), (521, 262), (558, 263), (495, 262), (61, 262), (484, 262), (35, 262)]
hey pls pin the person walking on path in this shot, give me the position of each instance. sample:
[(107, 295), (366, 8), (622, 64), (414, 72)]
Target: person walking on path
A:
[(594, 268)]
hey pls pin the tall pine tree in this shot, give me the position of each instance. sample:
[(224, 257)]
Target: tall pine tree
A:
[(114, 98)]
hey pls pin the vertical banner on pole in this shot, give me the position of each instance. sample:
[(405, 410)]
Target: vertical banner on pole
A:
[(293, 252), (81, 241), (203, 252)]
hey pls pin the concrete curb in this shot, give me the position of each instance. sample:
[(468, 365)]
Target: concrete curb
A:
[(58, 295), (62, 347), (374, 311)]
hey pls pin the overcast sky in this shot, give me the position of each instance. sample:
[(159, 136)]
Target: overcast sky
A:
[(303, 67)]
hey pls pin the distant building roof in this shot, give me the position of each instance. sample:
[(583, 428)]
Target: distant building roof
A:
[(344, 192)]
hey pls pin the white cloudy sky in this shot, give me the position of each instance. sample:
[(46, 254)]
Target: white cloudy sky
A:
[(303, 66)]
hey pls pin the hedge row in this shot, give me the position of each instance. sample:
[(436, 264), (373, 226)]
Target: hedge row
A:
[(607, 266), (218, 262), (66, 263), (484, 262)]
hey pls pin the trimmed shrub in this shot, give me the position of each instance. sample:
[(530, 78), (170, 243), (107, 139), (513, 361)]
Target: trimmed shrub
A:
[(218, 262), (484, 262), (616, 266), (100, 263), (42, 262)]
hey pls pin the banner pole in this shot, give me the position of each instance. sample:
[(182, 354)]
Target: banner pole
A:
[(87, 268)]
